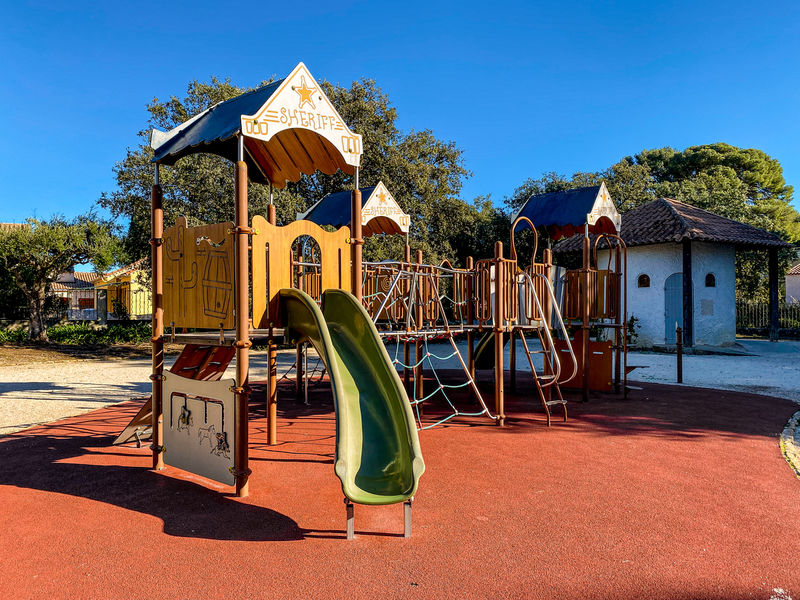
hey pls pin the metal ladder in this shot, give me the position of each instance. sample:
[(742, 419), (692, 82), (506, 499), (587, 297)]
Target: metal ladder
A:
[(552, 362)]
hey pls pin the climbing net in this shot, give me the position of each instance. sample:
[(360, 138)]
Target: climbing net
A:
[(431, 359), (419, 304), (318, 370)]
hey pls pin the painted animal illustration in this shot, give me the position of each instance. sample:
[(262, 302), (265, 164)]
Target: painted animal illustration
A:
[(222, 448), (185, 420), (207, 433)]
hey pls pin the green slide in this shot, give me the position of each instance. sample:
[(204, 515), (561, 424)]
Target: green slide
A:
[(484, 350), (378, 458)]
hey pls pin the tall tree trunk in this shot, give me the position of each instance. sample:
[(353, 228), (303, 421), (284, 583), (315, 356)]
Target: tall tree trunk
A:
[(37, 330)]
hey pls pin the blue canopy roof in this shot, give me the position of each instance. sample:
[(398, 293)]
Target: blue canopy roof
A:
[(334, 209), (564, 212), (214, 131)]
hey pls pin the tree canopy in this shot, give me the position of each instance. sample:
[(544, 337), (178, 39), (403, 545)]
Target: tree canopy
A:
[(35, 255), (423, 173)]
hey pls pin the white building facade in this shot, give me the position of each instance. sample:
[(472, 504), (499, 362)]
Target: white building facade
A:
[(655, 292), (793, 285)]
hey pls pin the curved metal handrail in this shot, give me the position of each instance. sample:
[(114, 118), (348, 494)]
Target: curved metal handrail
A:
[(563, 327), (513, 254)]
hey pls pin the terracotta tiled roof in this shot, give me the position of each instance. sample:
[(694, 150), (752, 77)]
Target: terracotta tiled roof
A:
[(82, 281), (88, 278), (795, 270), (134, 266), (665, 220)]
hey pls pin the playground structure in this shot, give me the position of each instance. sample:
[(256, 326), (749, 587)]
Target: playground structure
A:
[(298, 274)]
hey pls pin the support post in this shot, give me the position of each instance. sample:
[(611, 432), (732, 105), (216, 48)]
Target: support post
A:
[(406, 290), (356, 240), (156, 240), (241, 285), (688, 299), (773, 295), (351, 519), (512, 360), (271, 218), (547, 307), (585, 307), (272, 394), (298, 384), (499, 312), (407, 519), (470, 320), (619, 331), (679, 351), (419, 378)]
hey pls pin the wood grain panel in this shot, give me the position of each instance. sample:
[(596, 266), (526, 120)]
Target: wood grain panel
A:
[(198, 275), (272, 263)]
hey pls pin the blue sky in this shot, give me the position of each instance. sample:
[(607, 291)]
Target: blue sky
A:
[(522, 87)]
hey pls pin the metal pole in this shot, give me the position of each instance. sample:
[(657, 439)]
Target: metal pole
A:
[(470, 318), (499, 302), (547, 313), (272, 398), (406, 291), (774, 322), (241, 279), (356, 240), (620, 322), (271, 208), (419, 380), (679, 350), (585, 308), (298, 383), (157, 376)]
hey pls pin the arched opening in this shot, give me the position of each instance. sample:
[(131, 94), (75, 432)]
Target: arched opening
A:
[(307, 266), (643, 281), (711, 280)]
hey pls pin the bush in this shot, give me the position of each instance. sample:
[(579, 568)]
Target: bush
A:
[(13, 336), (81, 333)]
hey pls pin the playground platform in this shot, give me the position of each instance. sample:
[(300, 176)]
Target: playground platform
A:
[(677, 493)]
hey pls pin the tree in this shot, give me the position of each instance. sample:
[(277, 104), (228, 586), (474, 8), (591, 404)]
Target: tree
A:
[(34, 256), (423, 173), (743, 184)]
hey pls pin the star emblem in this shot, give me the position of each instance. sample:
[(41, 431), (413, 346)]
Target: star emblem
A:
[(305, 93), (381, 196)]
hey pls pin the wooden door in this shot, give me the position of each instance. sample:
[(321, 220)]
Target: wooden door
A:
[(673, 306)]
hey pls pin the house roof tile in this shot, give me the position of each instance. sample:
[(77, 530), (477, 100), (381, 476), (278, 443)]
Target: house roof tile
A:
[(666, 220)]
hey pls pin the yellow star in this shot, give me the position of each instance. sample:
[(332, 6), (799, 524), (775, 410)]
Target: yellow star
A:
[(305, 93), (382, 196)]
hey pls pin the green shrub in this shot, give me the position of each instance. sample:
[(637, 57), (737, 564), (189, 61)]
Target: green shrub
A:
[(81, 333), (13, 336)]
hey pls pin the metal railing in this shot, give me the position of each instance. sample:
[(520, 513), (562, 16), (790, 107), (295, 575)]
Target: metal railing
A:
[(755, 315)]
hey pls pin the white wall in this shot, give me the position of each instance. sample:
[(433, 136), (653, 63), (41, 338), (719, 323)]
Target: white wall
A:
[(714, 328), (714, 308), (792, 289)]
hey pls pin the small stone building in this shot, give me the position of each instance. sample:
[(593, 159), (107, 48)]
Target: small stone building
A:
[(793, 285), (681, 268)]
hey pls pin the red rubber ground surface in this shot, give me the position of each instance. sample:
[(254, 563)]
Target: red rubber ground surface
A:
[(674, 493)]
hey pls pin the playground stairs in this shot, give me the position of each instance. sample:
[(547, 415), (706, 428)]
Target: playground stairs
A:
[(204, 363), (547, 381)]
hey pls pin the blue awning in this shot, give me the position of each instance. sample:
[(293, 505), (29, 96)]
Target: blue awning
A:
[(334, 209), (565, 213), (213, 131)]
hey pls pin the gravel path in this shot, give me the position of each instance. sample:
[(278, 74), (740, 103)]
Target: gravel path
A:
[(42, 392), (38, 393)]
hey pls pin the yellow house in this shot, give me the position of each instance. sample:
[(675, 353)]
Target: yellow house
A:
[(124, 294)]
